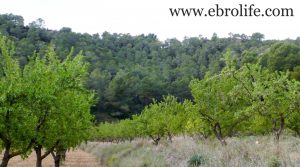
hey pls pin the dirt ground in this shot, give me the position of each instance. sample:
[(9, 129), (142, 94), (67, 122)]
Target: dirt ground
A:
[(77, 158)]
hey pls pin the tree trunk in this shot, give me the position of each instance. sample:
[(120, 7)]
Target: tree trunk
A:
[(218, 133), (297, 133), (170, 137), (38, 152), (58, 157), (57, 161), (7, 142), (278, 131), (6, 156), (155, 140)]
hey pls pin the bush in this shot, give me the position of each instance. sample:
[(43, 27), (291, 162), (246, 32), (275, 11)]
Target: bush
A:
[(274, 162), (196, 160)]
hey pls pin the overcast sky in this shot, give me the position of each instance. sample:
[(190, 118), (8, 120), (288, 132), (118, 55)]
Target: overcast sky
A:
[(153, 16)]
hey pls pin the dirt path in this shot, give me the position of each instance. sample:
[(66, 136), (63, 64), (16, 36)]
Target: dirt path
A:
[(77, 158)]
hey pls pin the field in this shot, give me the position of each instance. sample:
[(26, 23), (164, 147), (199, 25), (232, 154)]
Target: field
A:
[(240, 152)]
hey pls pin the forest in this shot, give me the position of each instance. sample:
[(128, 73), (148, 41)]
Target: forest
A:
[(119, 87), (128, 72)]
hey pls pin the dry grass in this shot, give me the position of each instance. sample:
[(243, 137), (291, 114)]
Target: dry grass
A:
[(240, 152)]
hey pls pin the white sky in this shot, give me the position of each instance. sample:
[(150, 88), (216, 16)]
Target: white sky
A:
[(153, 16)]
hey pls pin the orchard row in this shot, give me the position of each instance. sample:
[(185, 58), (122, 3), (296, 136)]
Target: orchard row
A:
[(249, 100)]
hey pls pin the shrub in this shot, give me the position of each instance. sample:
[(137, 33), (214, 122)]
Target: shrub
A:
[(274, 162), (196, 160)]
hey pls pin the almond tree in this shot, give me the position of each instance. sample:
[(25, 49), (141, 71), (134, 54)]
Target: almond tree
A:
[(273, 97), (59, 101), (160, 119), (16, 121), (45, 105), (219, 108)]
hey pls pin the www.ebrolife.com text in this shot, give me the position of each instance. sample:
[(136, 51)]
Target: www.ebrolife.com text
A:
[(242, 10)]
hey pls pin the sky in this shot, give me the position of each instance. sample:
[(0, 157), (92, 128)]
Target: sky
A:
[(153, 16)]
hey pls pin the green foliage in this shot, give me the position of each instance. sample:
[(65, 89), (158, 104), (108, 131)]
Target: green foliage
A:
[(228, 96), (128, 71), (160, 119), (165, 118), (295, 74), (293, 121), (272, 96), (249, 100), (218, 104), (60, 101), (15, 114), (196, 160), (283, 56), (274, 162), (117, 131), (43, 105)]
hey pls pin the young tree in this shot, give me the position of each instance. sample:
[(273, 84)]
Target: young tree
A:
[(60, 102), (219, 107), (165, 118), (46, 105), (151, 122), (278, 100), (69, 125), (16, 121), (175, 115), (271, 94)]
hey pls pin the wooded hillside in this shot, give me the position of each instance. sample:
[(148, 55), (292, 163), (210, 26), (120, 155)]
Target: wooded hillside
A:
[(128, 71)]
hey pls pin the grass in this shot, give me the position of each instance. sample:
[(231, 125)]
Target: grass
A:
[(240, 152)]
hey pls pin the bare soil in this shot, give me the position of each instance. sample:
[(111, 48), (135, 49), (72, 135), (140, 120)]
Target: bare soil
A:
[(76, 158)]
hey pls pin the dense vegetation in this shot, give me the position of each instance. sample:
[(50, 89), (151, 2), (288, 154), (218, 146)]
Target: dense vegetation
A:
[(127, 71), (239, 101), (218, 87), (43, 105)]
